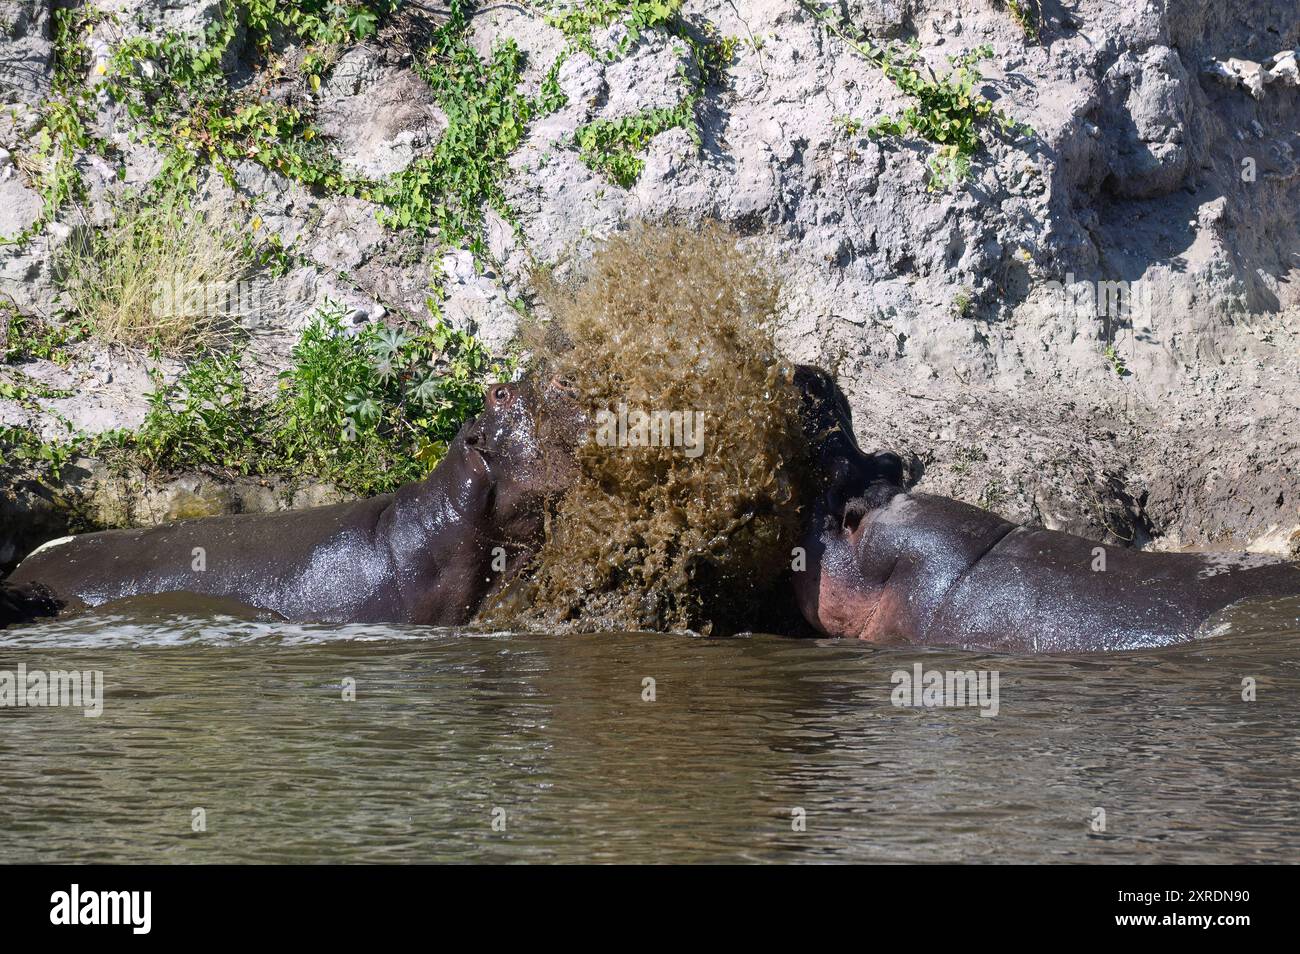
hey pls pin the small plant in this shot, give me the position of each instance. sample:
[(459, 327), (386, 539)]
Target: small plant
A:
[(962, 303), (949, 113), (1116, 360), (21, 449), (206, 419), (26, 338), (966, 458), (161, 274), (639, 16), (1028, 15), (613, 146), (993, 494), (848, 125), (714, 53)]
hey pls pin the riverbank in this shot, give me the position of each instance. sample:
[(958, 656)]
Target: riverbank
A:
[(1085, 318)]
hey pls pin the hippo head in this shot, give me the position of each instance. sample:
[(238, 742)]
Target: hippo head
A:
[(845, 485), (523, 444)]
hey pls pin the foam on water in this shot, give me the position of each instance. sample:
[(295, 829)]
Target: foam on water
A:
[(133, 631)]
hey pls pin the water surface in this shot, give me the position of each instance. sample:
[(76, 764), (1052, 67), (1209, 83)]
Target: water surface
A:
[(247, 721)]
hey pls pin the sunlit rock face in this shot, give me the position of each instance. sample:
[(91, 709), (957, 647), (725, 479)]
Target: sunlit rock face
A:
[(1164, 160)]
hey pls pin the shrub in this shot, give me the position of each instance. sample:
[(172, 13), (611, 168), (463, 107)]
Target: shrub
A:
[(368, 411)]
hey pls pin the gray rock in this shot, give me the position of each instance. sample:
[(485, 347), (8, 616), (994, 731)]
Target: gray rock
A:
[(20, 206), (27, 58), (1282, 68), (382, 117)]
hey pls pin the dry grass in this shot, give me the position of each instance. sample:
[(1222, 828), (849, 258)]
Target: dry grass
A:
[(165, 276), (649, 538)]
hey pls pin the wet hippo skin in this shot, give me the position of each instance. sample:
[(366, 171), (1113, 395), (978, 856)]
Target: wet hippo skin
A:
[(888, 565), (424, 554)]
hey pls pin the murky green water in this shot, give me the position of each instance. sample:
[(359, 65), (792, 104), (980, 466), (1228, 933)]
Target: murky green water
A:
[(247, 721)]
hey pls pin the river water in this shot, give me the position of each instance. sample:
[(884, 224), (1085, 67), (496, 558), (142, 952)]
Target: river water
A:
[(509, 747)]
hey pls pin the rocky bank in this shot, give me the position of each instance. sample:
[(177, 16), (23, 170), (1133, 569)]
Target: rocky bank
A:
[(1098, 328)]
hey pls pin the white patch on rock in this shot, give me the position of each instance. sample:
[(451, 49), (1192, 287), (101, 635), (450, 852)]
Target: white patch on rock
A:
[(382, 117), (1282, 68)]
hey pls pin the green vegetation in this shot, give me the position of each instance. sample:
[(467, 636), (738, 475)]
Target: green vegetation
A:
[(315, 21), (711, 51), (962, 303), (613, 147), (639, 16), (367, 412), (1116, 360), (1028, 15), (21, 448), (162, 275), (176, 88), (26, 338), (965, 459), (61, 135), (949, 113), (486, 120), (205, 420), (992, 495), (850, 126)]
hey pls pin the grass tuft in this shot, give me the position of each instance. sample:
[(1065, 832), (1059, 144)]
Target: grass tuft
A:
[(159, 276)]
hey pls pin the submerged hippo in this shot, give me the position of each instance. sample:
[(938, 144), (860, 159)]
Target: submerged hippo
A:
[(888, 565), (427, 553)]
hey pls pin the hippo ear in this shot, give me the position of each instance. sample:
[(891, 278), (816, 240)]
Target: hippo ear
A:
[(887, 466), (890, 467)]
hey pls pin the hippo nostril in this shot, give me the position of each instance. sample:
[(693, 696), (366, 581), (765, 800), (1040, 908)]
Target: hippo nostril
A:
[(854, 511)]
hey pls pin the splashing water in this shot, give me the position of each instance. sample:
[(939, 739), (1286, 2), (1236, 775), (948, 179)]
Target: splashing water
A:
[(687, 521)]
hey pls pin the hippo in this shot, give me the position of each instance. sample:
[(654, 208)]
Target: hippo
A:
[(23, 604), (888, 565), (427, 553)]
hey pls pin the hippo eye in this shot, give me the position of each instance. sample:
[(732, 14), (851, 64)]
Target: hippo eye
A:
[(502, 393)]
